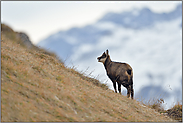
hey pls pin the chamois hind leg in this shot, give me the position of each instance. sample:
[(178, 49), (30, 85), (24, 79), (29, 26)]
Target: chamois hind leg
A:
[(131, 87), (132, 91), (128, 91)]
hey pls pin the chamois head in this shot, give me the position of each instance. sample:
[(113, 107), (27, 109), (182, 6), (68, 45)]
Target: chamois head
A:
[(103, 57)]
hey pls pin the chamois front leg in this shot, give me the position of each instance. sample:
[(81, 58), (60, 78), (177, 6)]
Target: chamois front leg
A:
[(119, 88), (114, 85)]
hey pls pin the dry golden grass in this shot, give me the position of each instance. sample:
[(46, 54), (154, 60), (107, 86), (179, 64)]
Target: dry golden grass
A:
[(36, 86)]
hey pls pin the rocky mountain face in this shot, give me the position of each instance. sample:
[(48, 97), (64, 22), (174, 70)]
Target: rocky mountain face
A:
[(25, 39)]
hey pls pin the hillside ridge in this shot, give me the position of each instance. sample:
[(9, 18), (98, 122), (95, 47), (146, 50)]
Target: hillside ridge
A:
[(36, 86)]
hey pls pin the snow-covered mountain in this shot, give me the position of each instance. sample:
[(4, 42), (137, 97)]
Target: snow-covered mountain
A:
[(150, 42), (138, 19)]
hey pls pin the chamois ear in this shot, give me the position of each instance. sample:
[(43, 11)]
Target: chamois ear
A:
[(107, 52)]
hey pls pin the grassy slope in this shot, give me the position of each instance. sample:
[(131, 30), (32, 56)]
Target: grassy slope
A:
[(36, 87)]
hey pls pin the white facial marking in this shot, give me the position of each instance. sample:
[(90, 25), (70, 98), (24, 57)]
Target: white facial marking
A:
[(102, 60)]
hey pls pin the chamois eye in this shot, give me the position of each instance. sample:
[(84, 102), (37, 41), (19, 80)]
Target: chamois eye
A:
[(104, 55)]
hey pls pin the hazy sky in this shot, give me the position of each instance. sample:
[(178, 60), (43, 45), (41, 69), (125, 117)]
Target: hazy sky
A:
[(39, 19)]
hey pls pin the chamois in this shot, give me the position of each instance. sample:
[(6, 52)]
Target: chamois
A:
[(118, 72)]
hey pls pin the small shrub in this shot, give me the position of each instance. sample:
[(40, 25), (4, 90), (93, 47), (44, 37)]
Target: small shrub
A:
[(175, 112)]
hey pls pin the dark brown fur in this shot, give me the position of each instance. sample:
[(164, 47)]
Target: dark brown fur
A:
[(118, 72)]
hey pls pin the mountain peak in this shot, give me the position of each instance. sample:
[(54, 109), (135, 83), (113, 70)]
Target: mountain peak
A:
[(138, 19)]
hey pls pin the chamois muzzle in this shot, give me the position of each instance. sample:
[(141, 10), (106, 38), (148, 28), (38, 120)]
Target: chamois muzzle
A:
[(98, 59)]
